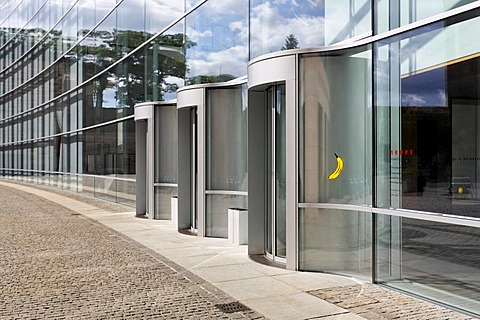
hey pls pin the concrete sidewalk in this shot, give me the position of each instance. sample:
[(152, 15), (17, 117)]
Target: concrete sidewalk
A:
[(269, 290)]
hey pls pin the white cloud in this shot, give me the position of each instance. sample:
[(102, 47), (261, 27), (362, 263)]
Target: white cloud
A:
[(230, 61), (195, 35), (442, 97), (413, 100), (270, 29)]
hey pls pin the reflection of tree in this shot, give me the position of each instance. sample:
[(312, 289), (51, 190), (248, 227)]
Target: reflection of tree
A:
[(209, 79), (143, 75), (291, 42), (147, 73)]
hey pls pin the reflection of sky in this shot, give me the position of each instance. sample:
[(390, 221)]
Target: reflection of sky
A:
[(172, 80), (220, 30), (426, 89), (109, 98), (130, 15), (272, 21)]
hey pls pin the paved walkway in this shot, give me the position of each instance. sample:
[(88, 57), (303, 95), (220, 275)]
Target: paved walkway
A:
[(80, 257)]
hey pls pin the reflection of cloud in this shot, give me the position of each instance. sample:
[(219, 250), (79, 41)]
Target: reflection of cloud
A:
[(131, 15), (345, 20), (221, 37), (270, 28), (218, 8), (195, 35), (230, 61), (161, 13), (436, 98), (411, 99), (442, 97), (168, 81)]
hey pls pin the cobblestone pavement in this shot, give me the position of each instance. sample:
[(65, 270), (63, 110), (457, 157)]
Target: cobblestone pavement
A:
[(56, 264), (374, 302)]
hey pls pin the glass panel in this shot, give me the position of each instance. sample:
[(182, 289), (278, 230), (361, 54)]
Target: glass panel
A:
[(337, 241), (165, 65), (428, 115), (166, 158), (106, 188), (217, 32), (216, 224), (163, 201), (346, 19), (280, 170), (394, 14), (86, 185), (126, 192), (269, 138), (125, 164), (166, 144), (272, 23), (159, 13), (438, 261), (335, 128), (88, 151), (226, 157), (227, 139)]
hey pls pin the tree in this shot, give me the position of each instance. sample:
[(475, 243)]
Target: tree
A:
[(291, 42)]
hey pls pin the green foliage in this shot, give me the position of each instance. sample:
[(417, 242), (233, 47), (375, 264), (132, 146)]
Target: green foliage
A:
[(291, 42)]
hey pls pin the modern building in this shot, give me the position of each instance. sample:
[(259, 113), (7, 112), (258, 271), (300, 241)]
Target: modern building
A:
[(347, 129)]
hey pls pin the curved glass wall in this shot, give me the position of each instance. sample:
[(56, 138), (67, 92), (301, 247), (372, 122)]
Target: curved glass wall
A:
[(66, 101), (166, 159), (335, 134), (427, 159), (226, 156), (283, 25), (335, 240), (217, 41), (336, 119), (393, 14)]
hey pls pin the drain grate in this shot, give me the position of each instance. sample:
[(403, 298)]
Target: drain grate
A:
[(232, 307)]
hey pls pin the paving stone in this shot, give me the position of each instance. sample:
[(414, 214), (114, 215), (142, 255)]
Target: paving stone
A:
[(55, 264), (377, 303)]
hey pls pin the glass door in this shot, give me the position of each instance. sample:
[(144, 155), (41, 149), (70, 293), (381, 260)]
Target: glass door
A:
[(194, 168), (276, 180)]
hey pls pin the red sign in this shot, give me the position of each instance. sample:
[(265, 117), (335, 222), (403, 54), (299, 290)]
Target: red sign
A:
[(402, 152)]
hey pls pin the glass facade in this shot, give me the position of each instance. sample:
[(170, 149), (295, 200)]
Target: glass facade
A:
[(71, 72), (425, 149), (385, 107), (427, 100), (217, 50), (283, 25)]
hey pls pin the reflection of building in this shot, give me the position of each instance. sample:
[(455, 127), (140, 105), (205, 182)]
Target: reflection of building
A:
[(391, 88)]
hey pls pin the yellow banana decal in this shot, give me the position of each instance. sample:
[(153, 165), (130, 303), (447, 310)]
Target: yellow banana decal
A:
[(334, 175)]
